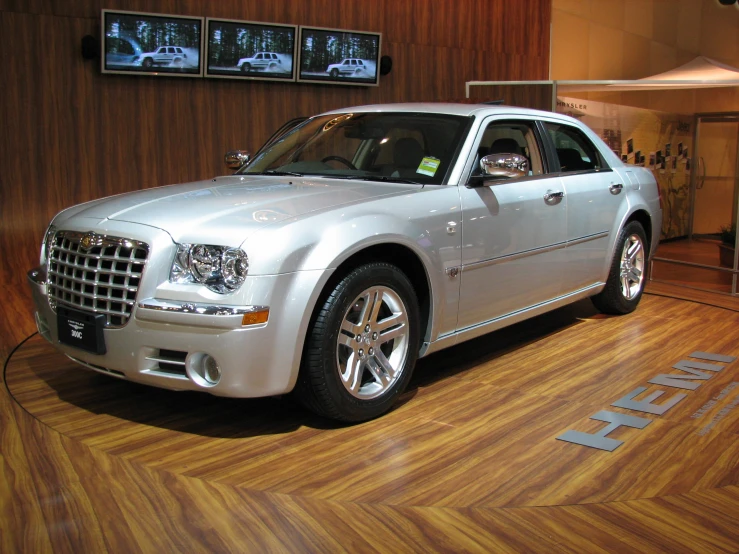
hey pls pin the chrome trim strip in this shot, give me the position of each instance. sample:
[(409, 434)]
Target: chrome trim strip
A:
[(588, 238), (198, 308), (533, 251), (105, 240), (515, 256)]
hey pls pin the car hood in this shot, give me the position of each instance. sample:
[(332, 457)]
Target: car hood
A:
[(226, 210)]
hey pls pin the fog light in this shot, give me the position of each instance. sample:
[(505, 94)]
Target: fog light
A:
[(203, 369), (212, 371)]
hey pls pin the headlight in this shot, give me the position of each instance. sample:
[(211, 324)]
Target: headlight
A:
[(220, 268), (47, 244)]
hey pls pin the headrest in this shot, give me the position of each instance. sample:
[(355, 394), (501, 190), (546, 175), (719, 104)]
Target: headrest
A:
[(407, 152), (505, 145)]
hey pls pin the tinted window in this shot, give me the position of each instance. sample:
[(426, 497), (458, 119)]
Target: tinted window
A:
[(574, 149), (375, 146)]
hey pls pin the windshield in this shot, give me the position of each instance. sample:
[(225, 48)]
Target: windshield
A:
[(389, 146)]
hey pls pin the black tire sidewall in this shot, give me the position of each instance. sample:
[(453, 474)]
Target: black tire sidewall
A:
[(611, 300), (339, 400)]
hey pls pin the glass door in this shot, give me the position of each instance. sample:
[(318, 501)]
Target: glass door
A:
[(707, 258), (714, 181)]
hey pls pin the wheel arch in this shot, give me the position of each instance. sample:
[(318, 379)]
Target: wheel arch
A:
[(399, 255), (642, 217)]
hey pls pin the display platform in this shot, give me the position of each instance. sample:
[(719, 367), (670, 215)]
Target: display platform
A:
[(471, 459)]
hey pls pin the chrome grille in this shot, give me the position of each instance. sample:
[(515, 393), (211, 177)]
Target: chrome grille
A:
[(102, 278)]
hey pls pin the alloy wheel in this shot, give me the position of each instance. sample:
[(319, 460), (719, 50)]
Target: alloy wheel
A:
[(373, 342)]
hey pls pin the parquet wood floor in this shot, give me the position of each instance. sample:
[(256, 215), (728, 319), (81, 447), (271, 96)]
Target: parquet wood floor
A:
[(468, 461)]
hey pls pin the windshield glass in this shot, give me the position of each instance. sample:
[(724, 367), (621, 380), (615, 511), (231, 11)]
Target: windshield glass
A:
[(389, 146)]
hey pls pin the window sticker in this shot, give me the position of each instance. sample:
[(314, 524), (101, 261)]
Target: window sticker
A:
[(428, 166)]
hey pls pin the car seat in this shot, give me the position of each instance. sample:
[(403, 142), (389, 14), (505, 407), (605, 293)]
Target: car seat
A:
[(570, 160), (407, 156)]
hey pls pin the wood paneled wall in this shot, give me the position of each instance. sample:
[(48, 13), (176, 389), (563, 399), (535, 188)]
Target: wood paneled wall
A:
[(69, 134), (526, 96)]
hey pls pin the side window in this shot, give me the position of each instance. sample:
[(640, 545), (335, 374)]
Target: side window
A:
[(510, 137), (574, 149)]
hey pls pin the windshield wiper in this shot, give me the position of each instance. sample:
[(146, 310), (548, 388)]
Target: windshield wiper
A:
[(275, 172), (386, 179)]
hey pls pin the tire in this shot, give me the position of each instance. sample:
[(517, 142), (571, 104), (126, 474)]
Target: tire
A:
[(334, 73), (147, 63), (245, 67), (625, 283), (359, 354)]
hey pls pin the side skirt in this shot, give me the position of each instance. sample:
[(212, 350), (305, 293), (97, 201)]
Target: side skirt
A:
[(475, 331)]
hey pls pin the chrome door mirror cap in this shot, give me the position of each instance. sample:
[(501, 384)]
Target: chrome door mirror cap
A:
[(505, 165), (236, 158)]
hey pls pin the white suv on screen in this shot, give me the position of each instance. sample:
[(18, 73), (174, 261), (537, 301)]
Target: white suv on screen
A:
[(164, 55), (348, 67), (260, 60)]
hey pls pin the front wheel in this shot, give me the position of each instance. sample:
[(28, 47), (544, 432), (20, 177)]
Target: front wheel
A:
[(625, 283), (147, 63), (363, 345), (334, 73)]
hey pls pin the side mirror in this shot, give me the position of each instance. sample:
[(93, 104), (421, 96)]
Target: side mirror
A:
[(508, 166), (236, 158)]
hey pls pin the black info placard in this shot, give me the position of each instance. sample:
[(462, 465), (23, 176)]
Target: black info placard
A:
[(81, 330)]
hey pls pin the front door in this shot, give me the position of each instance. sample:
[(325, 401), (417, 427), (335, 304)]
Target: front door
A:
[(513, 231)]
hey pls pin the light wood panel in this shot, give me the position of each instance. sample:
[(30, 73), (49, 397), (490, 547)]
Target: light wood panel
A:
[(468, 461)]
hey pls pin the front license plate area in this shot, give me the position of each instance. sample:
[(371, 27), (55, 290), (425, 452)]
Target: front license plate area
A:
[(81, 330)]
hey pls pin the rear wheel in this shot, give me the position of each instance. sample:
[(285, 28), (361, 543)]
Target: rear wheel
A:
[(363, 345), (625, 283)]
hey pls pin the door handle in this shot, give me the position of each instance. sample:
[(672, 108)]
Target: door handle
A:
[(615, 188), (553, 195)]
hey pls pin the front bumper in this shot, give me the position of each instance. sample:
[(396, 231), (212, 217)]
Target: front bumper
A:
[(164, 341)]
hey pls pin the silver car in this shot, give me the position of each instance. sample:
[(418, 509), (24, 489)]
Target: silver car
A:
[(353, 244)]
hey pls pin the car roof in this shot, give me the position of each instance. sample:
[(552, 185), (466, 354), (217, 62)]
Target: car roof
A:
[(453, 109)]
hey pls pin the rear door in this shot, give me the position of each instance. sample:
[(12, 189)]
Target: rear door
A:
[(594, 195)]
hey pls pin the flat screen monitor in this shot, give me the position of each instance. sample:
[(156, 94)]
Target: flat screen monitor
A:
[(152, 44), (251, 50), (339, 57)]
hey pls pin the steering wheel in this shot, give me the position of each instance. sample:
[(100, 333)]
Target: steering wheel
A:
[(346, 162)]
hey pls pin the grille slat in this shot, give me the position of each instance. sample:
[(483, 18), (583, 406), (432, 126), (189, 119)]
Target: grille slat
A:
[(103, 278), (107, 285)]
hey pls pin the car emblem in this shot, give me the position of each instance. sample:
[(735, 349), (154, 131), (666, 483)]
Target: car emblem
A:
[(89, 240)]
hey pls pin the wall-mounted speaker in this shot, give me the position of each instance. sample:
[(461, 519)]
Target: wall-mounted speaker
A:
[(386, 65), (90, 47)]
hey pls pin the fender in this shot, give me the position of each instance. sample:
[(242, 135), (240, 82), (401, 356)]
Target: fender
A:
[(317, 242)]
